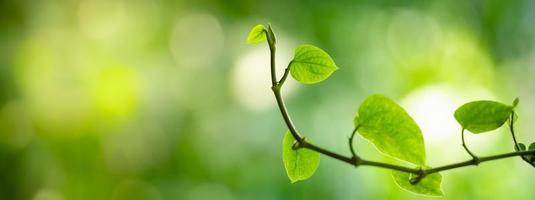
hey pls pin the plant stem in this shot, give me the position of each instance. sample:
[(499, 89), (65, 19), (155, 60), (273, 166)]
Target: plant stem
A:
[(276, 89), (512, 129), (286, 72), (517, 146), (481, 160), (388, 166), (350, 141), (354, 159), (475, 159), (285, 115), (326, 152)]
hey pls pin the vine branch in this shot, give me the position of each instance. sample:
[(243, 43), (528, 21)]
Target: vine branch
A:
[(517, 146), (475, 159), (354, 159), (350, 140), (512, 129)]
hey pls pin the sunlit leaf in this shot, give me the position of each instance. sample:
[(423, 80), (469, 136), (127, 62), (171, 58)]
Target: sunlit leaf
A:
[(300, 164), (429, 185), (388, 126), (257, 34), (311, 64), (482, 116)]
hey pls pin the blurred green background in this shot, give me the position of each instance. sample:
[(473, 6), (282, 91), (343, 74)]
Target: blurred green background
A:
[(141, 99)]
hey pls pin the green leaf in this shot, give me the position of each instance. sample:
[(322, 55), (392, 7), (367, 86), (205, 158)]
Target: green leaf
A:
[(257, 34), (528, 158), (531, 158), (311, 64), (300, 164), (482, 116), (388, 126), (520, 147), (429, 185)]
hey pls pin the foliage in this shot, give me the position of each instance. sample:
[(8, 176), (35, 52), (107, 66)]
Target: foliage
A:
[(482, 116), (382, 122), (429, 185), (300, 164), (311, 64), (257, 35), (388, 126)]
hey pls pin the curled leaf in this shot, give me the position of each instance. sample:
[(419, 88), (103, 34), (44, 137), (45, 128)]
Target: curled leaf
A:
[(257, 34)]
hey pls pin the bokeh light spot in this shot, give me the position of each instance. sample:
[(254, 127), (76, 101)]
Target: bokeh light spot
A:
[(117, 90), (100, 18), (196, 40), (251, 82), (432, 108)]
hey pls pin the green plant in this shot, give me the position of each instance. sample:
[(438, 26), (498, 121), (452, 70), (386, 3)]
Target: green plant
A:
[(383, 123)]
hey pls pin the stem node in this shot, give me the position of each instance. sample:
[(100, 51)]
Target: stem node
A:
[(476, 160), (419, 176), (355, 160), (298, 144)]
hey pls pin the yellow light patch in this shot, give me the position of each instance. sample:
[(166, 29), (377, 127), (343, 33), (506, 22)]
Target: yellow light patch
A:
[(116, 91)]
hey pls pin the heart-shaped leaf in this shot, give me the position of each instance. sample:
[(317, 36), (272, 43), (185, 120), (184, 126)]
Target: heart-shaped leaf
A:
[(429, 185), (300, 164), (388, 126), (311, 64), (482, 116), (257, 34)]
